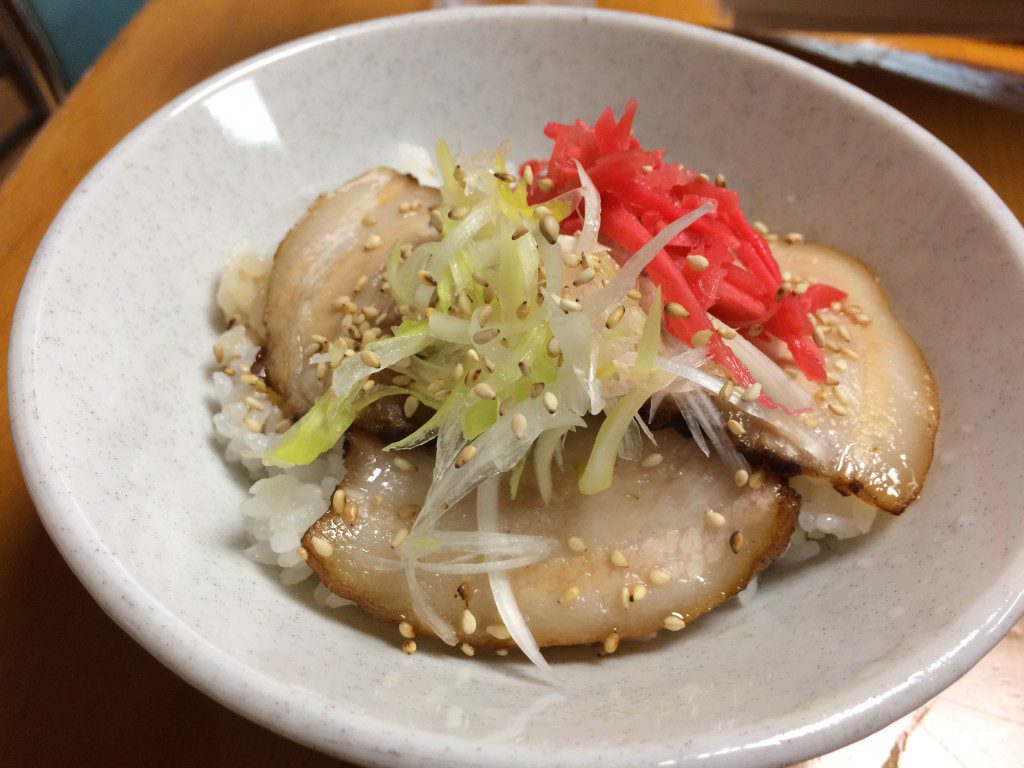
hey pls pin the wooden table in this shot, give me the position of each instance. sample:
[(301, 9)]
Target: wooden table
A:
[(74, 689)]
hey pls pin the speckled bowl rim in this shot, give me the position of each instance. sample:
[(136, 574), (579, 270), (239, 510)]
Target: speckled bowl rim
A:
[(366, 739)]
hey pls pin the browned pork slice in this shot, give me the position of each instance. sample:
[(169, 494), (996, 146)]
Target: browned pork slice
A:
[(878, 411), (344, 237), (667, 542)]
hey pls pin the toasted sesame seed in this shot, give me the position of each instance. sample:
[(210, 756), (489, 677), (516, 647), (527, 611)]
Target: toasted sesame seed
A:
[(498, 631), (545, 185), (554, 348), (862, 319), (651, 460), (837, 409), (503, 176), (436, 220), (485, 314), (405, 629), (615, 317), (485, 336), (550, 402), (726, 332), (741, 477), (536, 388), (369, 220), (405, 207), (484, 391), (842, 394), (518, 426), (850, 353), (528, 175), (793, 238), (467, 649), (760, 227), (506, 405), (831, 380), (841, 365), (254, 404), (373, 241), (575, 544), (282, 426), (751, 393), (402, 464), (800, 288), (818, 336), (409, 647), (458, 174), (736, 541), (501, 651), (755, 330), (659, 577), (218, 352), (674, 622), (407, 511), (713, 518), (321, 546), (611, 643), (570, 305), (458, 213), (720, 180), (426, 278), (735, 427), (633, 294), (700, 338), (549, 228), (726, 391), (302, 553), (697, 262), (465, 455), (350, 512), (638, 592), (252, 424), (676, 310), (618, 559), (570, 594)]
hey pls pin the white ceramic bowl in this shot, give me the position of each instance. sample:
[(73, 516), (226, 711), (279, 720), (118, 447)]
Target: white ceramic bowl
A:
[(109, 385)]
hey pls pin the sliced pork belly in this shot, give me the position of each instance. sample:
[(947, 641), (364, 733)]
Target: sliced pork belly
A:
[(663, 545), (345, 236)]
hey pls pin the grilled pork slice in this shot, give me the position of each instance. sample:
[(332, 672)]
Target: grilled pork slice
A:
[(345, 235), (878, 411), (663, 545)]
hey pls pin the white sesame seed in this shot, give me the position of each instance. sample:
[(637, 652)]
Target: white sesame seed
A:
[(845, 333), (618, 559), (485, 314), (638, 592), (254, 404), (410, 406), (484, 391), (370, 358), (862, 319), (405, 629), (302, 553), (842, 394), (726, 332), (402, 464), (550, 402), (575, 544), (793, 238), (518, 426), (735, 427), (400, 535), (545, 185), (252, 425), (321, 546), (368, 385), (633, 294), (741, 477), (800, 288), (751, 393), (498, 631), (467, 649), (659, 577), (465, 455), (760, 227), (611, 643), (818, 336), (700, 338), (338, 501), (409, 647), (850, 353), (727, 390), (310, 349), (651, 460), (837, 409), (350, 512), (841, 365), (674, 622), (373, 241), (697, 262), (218, 353), (570, 594), (584, 277), (713, 518), (468, 622), (676, 310), (458, 213)]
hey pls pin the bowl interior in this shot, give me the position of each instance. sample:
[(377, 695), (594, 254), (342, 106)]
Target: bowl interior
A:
[(111, 394)]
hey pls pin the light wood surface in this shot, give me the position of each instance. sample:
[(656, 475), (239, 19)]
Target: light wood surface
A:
[(74, 689)]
